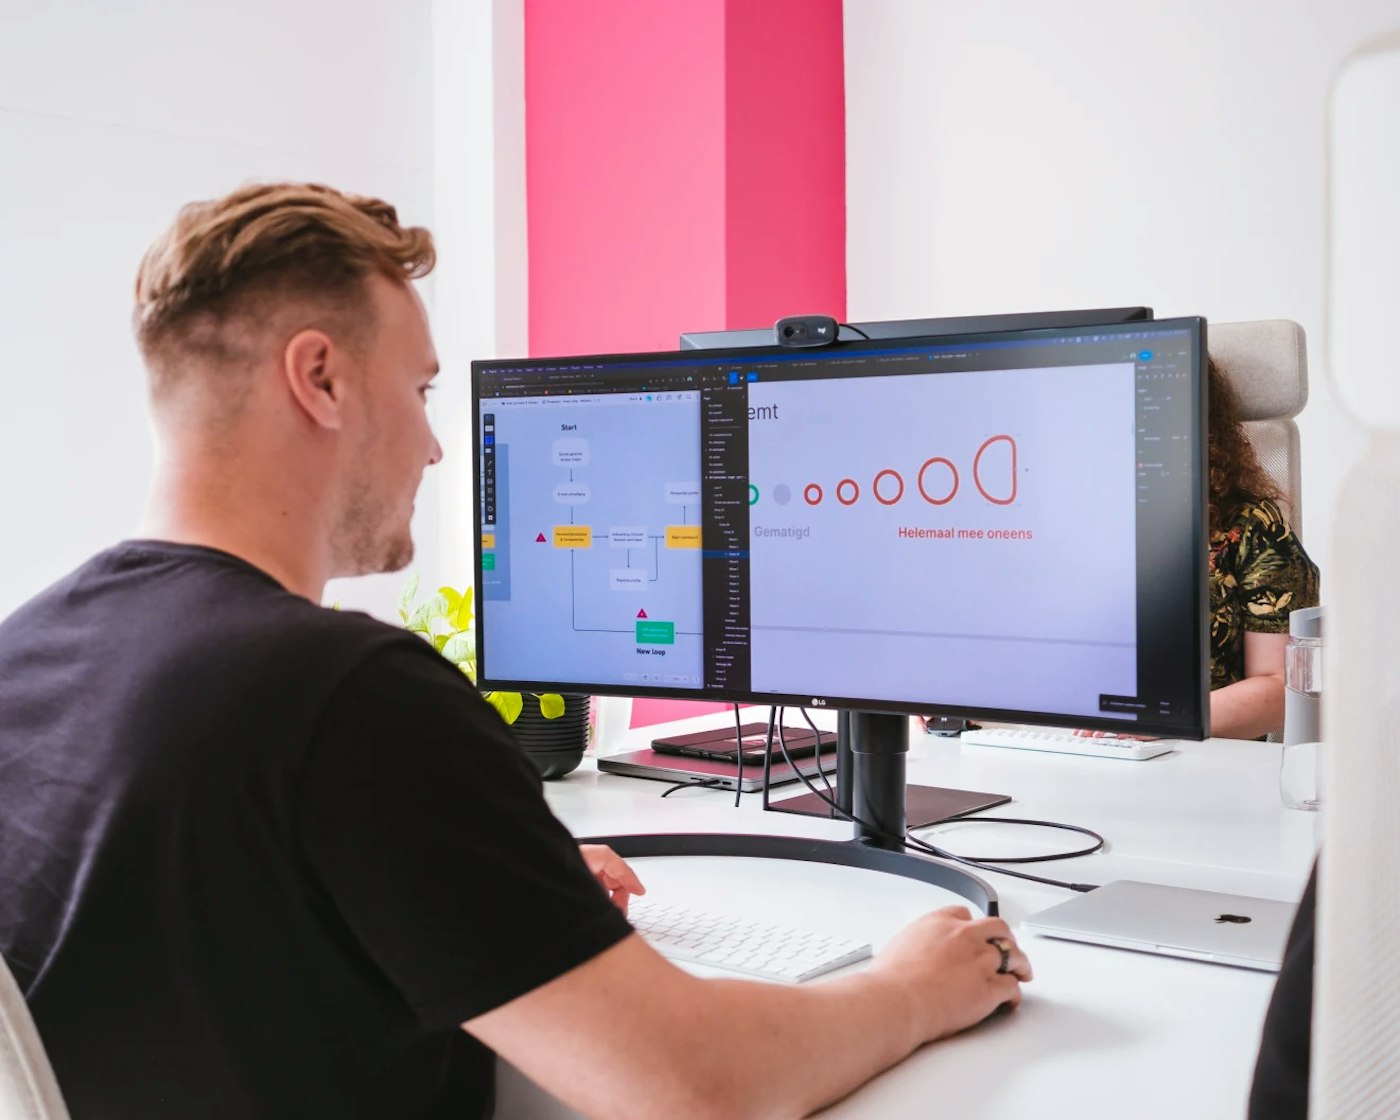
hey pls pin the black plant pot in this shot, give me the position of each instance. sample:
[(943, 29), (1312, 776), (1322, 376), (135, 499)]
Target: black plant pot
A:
[(555, 746)]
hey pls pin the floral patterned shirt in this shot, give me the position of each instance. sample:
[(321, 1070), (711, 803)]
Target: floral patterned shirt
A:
[(1259, 574)]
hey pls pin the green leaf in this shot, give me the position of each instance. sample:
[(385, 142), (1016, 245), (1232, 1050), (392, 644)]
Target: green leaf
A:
[(509, 704), (551, 705), (440, 642), (453, 599), (462, 619), (457, 647), (427, 613)]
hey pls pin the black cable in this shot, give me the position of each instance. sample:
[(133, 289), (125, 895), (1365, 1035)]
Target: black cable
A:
[(768, 755), (908, 840), (708, 782), (782, 742), (739, 754), (856, 329), (1098, 843), (775, 714), (817, 737)]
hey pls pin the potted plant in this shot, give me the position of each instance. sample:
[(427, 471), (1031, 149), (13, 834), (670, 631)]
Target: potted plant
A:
[(551, 727)]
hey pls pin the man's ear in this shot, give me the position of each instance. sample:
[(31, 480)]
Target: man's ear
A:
[(315, 373)]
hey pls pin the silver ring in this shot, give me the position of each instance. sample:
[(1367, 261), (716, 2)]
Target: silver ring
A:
[(1003, 947)]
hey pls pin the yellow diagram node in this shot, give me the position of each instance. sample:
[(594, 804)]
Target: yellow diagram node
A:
[(682, 536)]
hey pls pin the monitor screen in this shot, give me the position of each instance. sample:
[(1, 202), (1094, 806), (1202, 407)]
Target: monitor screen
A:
[(1005, 525)]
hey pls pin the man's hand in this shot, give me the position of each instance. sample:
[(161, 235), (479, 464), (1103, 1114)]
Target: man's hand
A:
[(947, 964), (611, 870), (577, 1034)]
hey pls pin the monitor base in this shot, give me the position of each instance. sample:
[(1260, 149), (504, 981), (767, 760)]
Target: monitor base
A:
[(923, 805), (843, 853)]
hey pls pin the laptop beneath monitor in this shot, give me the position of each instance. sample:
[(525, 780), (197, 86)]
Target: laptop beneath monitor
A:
[(711, 772), (1174, 921)]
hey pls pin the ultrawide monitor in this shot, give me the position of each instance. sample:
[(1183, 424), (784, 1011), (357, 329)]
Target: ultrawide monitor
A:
[(1005, 525), (925, 328)]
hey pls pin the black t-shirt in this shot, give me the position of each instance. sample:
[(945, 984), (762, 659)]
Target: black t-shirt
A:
[(1280, 1090), (259, 858)]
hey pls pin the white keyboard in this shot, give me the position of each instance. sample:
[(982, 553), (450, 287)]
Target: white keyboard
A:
[(1066, 742), (741, 944)]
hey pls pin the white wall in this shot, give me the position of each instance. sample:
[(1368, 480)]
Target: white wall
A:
[(1022, 155), (111, 117), (481, 281)]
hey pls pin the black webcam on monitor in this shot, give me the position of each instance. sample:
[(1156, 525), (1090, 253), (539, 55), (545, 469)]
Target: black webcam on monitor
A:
[(806, 330)]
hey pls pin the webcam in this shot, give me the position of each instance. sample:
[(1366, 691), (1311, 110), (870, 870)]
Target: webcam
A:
[(806, 330)]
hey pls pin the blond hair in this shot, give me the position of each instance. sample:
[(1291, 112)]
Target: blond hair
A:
[(225, 267)]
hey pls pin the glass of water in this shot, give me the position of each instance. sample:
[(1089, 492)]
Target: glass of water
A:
[(1302, 675)]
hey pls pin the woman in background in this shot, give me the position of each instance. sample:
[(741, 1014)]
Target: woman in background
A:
[(1259, 574)]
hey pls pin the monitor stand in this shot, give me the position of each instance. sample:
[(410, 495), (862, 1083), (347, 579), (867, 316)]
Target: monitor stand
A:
[(923, 805), (878, 743)]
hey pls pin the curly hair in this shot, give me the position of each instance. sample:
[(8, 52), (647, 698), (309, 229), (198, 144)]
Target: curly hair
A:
[(1235, 474), (209, 285)]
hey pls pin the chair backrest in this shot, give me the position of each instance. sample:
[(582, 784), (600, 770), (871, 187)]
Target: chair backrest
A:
[(1356, 1004), (1266, 363), (28, 1090)]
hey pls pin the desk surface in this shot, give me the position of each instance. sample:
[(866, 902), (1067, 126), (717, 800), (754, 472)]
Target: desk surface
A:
[(1098, 1027)]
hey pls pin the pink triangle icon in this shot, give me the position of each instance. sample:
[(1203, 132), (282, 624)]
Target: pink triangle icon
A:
[(540, 539), (641, 614)]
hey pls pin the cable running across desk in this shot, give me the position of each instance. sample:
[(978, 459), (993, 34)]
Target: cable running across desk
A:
[(908, 840)]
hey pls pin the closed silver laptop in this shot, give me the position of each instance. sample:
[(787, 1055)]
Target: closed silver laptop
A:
[(1174, 921)]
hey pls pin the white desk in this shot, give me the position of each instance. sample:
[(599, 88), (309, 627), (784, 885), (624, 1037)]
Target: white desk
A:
[(1101, 1032)]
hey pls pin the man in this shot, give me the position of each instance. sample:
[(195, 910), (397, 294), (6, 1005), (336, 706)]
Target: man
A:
[(258, 858)]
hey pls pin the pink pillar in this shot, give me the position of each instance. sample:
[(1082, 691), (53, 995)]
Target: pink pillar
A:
[(685, 168), (785, 161)]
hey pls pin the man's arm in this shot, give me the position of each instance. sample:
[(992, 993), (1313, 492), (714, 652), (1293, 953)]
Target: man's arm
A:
[(1253, 706), (629, 1034)]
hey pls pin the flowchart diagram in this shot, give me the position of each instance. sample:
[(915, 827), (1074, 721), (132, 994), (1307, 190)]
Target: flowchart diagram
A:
[(600, 545)]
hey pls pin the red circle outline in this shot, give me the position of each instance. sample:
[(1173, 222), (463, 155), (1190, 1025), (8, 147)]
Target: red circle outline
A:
[(953, 493), (875, 487)]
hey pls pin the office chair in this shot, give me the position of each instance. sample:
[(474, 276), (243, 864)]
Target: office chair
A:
[(1266, 363), (28, 1090), (1356, 1004)]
